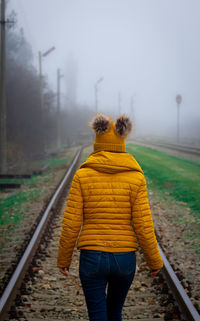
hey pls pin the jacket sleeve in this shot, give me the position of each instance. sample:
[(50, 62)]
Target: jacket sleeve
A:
[(144, 229), (72, 222)]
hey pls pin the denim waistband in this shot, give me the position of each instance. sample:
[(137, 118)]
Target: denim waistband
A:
[(116, 253)]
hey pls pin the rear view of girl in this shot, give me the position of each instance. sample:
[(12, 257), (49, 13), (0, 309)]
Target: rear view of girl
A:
[(108, 203)]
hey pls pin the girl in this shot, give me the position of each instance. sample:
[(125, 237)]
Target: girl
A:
[(108, 200)]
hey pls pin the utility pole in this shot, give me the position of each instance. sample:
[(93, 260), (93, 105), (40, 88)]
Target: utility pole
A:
[(59, 76), (132, 112), (96, 93), (3, 139), (40, 55), (95, 96), (42, 101), (41, 81)]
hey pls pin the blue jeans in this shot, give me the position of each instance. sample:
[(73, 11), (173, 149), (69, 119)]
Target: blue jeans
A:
[(97, 270)]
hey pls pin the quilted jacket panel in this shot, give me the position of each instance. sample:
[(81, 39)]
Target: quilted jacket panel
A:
[(108, 209)]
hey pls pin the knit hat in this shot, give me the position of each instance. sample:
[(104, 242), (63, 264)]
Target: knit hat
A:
[(110, 136)]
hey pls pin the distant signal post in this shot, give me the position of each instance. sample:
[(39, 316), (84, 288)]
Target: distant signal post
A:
[(178, 101)]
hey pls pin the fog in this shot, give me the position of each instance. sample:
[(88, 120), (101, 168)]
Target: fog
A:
[(147, 52)]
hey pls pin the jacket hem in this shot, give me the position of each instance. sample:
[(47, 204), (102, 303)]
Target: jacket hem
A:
[(108, 249)]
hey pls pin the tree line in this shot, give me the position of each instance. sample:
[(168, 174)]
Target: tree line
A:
[(30, 130)]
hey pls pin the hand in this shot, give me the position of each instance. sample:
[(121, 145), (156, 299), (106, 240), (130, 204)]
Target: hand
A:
[(64, 271), (154, 273)]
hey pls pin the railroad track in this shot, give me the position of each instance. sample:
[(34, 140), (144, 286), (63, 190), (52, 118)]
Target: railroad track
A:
[(23, 210), (26, 259), (37, 290), (176, 147)]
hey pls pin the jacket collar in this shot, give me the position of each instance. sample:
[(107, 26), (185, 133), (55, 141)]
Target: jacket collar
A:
[(111, 162)]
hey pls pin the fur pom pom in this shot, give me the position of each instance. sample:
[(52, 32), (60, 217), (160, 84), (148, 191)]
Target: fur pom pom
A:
[(123, 126), (100, 123)]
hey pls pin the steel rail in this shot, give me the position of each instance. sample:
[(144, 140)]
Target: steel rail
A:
[(21, 268), (185, 304), (181, 148), (187, 308)]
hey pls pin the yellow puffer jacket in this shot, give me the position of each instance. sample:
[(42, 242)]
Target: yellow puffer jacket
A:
[(108, 199)]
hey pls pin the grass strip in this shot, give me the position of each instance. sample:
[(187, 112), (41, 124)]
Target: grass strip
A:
[(179, 177), (13, 205)]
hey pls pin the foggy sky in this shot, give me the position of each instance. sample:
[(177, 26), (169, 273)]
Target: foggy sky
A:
[(145, 49)]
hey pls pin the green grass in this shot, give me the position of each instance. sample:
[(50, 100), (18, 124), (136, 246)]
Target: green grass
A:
[(173, 179), (12, 180), (13, 206), (56, 161), (84, 157), (87, 151), (178, 177)]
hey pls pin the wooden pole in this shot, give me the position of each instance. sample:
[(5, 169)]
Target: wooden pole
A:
[(3, 138), (58, 109)]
